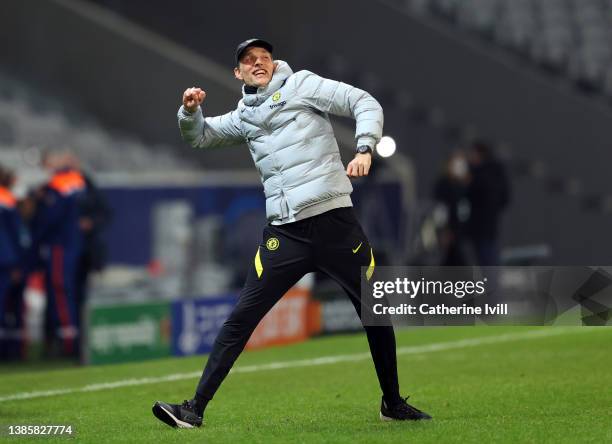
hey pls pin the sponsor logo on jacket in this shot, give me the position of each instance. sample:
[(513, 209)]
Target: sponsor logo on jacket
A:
[(276, 105)]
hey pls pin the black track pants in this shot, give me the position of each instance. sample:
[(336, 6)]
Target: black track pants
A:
[(332, 243)]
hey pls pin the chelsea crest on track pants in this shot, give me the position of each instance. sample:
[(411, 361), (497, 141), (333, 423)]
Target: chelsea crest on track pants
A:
[(332, 243)]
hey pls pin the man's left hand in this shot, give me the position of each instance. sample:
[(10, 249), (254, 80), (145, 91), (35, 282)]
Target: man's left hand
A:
[(359, 166)]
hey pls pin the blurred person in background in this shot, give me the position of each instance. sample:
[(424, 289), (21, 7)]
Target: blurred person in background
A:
[(451, 191), (12, 246), (489, 195), (94, 217), (283, 118), (57, 244)]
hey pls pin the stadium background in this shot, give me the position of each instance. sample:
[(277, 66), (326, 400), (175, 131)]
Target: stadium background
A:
[(103, 79)]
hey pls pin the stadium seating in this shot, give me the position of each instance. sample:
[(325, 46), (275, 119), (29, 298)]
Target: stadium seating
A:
[(31, 120), (570, 37)]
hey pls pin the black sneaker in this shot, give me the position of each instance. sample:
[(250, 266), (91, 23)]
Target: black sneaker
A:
[(401, 412), (182, 416)]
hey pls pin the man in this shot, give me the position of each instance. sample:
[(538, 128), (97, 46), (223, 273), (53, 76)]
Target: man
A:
[(488, 194), (94, 216), (57, 239), (12, 244), (450, 192), (283, 118)]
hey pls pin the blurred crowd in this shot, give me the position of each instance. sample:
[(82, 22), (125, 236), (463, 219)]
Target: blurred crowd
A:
[(473, 192), (55, 231)]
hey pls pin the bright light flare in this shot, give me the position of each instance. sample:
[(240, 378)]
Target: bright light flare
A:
[(386, 147)]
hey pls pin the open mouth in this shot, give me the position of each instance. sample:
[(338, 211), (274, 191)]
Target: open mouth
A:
[(260, 72)]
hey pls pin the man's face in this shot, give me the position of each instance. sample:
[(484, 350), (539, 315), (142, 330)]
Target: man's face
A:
[(256, 67)]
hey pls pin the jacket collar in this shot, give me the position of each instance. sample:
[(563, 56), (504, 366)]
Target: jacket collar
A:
[(281, 73)]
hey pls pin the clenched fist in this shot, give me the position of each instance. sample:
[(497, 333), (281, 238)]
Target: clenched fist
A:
[(360, 165), (192, 98)]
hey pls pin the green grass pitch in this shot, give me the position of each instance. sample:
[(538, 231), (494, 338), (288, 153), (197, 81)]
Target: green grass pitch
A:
[(554, 387)]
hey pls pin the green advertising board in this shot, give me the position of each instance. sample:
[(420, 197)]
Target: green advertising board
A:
[(130, 332)]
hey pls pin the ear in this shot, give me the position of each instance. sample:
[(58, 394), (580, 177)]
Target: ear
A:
[(237, 74)]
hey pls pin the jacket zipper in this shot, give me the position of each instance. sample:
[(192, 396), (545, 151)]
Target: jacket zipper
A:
[(284, 205)]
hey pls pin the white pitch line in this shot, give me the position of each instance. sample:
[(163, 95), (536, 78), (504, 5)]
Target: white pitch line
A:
[(325, 360)]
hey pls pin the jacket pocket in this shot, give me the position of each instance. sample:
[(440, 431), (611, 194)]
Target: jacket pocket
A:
[(273, 207), (284, 205)]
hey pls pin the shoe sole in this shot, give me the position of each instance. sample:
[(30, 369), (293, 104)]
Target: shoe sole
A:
[(165, 416), (385, 418)]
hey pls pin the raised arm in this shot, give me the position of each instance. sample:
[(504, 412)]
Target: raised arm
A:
[(207, 132), (341, 99)]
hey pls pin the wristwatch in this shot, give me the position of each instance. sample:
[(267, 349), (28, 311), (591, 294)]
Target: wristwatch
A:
[(362, 149)]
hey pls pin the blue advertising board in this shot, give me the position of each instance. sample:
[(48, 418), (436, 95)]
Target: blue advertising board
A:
[(196, 322)]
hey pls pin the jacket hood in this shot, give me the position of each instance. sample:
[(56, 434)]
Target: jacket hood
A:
[(281, 73)]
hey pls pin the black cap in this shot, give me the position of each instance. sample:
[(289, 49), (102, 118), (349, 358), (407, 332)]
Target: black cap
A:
[(250, 43)]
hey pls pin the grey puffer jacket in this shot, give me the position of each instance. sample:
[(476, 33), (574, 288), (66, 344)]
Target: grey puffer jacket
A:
[(287, 128)]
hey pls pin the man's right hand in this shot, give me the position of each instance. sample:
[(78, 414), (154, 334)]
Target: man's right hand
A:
[(192, 98)]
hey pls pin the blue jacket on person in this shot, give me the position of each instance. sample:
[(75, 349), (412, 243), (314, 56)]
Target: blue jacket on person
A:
[(11, 249), (56, 221)]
